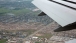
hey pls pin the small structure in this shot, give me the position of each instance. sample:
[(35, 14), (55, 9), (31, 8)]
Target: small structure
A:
[(15, 40), (12, 41), (34, 37), (27, 41)]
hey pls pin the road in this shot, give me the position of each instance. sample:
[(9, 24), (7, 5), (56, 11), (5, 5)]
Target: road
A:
[(28, 37)]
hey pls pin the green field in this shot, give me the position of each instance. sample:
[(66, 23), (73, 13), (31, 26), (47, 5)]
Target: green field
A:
[(16, 12), (3, 10), (37, 42), (21, 11), (3, 41)]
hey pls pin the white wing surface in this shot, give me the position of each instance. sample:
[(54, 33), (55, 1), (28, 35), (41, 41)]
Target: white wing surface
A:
[(62, 11)]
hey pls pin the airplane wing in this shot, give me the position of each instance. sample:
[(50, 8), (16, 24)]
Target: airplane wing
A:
[(62, 11)]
